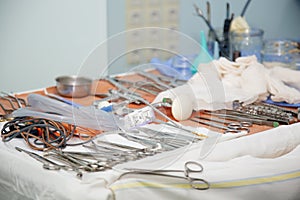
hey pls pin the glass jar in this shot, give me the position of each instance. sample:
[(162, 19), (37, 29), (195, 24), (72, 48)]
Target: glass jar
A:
[(246, 43), (279, 52)]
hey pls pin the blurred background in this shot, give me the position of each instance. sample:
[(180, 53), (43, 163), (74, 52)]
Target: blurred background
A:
[(40, 40)]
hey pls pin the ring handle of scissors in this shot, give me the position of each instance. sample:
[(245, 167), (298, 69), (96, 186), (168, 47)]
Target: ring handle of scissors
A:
[(243, 129), (239, 124), (234, 125), (230, 130), (246, 124), (192, 167), (237, 130), (198, 183)]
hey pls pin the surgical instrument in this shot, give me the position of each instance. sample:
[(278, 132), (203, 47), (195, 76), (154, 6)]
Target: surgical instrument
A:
[(21, 102), (232, 125), (165, 138), (141, 85), (99, 162), (256, 116), (200, 14), (120, 146), (75, 163), (227, 129), (150, 144), (208, 10), (49, 164), (10, 102), (112, 157), (245, 8), (178, 136), (237, 117), (7, 112), (226, 28), (190, 167), (120, 150), (171, 81), (182, 128), (120, 86), (154, 78), (262, 108), (14, 103)]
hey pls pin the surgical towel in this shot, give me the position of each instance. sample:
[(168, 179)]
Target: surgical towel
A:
[(259, 166), (218, 83), (265, 165)]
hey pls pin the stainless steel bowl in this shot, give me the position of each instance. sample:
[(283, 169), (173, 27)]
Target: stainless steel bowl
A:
[(73, 86)]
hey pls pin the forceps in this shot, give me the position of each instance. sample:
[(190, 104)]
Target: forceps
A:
[(155, 79), (49, 164), (229, 128), (189, 168), (141, 85)]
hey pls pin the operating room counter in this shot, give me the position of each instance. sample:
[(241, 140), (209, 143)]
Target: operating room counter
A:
[(104, 168)]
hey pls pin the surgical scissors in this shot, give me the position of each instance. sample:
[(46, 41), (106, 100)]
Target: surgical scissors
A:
[(189, 168), (231, 127)]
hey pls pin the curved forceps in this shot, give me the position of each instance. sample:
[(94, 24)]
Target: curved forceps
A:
[(189, 168)]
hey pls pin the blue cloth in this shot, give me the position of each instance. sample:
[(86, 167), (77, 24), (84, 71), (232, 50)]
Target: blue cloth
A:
[(178, 66), (284, 104)]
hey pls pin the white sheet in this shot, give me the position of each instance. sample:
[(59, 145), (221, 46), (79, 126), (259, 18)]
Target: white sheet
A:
[(265, 165), (22, 178), (261, 166)]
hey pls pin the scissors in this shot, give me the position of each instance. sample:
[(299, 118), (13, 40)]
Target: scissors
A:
[(189, 168), (229, 127)]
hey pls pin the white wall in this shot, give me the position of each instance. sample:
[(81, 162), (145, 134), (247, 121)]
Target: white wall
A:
[(278, 18), (40, 40)]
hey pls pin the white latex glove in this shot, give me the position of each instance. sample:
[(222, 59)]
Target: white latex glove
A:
[(224, 67), (254, 81), (252, 78), (288, 76), (282, 92), (207, 91), (219, 83)]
